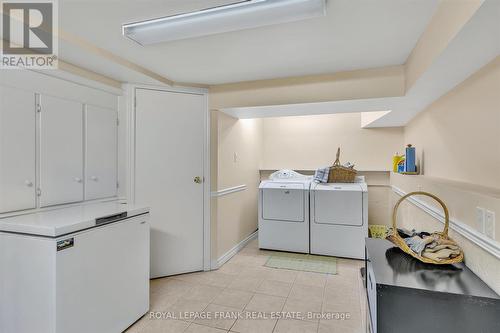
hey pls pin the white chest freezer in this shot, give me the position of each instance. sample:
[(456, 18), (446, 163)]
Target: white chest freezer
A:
[(74, 270)]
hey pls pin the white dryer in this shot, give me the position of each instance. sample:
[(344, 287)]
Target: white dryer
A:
[(284, 212), (339, 218)]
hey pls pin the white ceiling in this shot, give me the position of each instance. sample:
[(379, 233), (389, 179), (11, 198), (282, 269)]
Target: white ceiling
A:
[(355, 34)]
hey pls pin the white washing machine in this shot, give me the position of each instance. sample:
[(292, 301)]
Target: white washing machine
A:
[(284, 212), (339, 219)]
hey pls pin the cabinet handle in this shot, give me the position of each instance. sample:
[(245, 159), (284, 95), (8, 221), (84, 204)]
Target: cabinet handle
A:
[(78, 180), (94, 178), (28, 183), (198, 180)]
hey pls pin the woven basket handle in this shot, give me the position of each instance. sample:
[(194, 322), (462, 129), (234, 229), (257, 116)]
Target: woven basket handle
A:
[(337, 160), (445, 209)]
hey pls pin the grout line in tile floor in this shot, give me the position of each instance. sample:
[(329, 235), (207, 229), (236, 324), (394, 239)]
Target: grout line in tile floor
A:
[(250, 261)]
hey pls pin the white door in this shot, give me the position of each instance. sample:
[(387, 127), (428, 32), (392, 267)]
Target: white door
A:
[(101, 152), (170, 136), (61, 151), (17, 150)]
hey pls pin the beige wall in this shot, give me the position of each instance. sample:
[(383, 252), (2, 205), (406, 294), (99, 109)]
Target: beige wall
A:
[(310, 142), (459, 152), (242, 137), (457, 136), (235, 215)]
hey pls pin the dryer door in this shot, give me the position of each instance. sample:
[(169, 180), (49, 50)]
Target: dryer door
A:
[(283, 202), (338, 204)]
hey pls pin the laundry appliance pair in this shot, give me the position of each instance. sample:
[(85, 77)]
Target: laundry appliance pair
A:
[(297, 214)]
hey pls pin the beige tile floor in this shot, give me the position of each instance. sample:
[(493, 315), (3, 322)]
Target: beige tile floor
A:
[(244, 296)]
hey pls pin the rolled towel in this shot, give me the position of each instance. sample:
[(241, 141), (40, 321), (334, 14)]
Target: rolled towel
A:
[(441, 247), (442, 254), (442, 241), (321, 175), (418, 244)]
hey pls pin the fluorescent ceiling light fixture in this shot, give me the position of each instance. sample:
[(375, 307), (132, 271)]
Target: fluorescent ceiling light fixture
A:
[(237, 16)]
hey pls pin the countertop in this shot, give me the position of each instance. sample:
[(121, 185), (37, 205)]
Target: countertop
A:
[(61, 221)]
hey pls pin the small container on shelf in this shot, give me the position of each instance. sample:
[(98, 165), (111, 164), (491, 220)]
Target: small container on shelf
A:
[(410, 166)]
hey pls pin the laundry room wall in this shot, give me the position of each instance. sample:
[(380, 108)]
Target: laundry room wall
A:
[(236, 159), (461, 131), (306, 143), (456, 138), (310, 142)]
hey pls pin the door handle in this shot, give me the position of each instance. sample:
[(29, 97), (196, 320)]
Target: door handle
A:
[(78, 179), (198, 180)]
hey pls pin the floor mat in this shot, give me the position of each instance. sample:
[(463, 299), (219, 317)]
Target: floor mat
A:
[(303, 262)]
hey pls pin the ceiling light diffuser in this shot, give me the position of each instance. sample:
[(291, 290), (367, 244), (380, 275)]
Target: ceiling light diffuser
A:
[(238, 16)]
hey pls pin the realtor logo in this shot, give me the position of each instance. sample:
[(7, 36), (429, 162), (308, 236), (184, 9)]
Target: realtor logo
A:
[(28, 39)]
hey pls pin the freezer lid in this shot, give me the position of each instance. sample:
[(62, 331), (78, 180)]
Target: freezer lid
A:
[(62, 221)]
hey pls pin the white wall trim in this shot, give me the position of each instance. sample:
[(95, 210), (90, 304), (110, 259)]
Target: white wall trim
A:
[(229, 190), (487, 244), (234, 250)]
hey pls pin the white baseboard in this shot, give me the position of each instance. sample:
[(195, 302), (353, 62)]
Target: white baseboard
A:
[(487, 244), (232, 252)]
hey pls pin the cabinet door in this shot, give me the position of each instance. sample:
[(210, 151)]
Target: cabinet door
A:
[(101, 152), (61, 151), (17, 150)]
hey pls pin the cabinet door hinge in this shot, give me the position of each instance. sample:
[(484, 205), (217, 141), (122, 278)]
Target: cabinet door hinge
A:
[(117, 185), (38, 192), (38, 108), (117, 122)]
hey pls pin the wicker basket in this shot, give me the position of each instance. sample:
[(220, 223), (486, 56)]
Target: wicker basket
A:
[(399, 241), (339, 173)]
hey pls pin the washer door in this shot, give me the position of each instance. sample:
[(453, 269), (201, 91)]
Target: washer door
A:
[(340, 204), (283, 202)]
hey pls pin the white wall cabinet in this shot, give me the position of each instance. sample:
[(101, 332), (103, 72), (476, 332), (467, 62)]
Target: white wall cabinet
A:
[(61, 151), (66, 153), (101, 152), (17, 150)]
